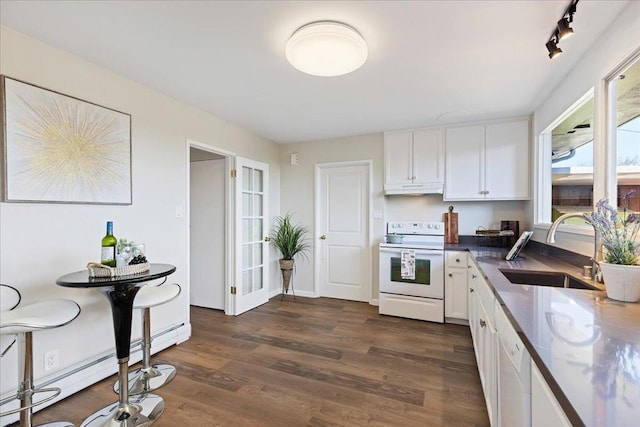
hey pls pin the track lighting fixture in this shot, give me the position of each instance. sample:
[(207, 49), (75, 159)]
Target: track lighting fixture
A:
[(562, 30), (553, 48)]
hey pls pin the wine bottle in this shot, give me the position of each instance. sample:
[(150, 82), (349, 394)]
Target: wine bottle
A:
[(109, 247)]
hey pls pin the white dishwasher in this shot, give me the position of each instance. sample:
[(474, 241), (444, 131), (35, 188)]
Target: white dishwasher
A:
[(514, 375)]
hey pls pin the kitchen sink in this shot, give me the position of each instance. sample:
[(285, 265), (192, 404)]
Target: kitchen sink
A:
[(545, 278)]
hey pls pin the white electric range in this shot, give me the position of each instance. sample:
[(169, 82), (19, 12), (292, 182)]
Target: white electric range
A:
[(411, 275)]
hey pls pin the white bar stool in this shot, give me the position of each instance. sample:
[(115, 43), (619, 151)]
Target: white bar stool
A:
[(150, 377), (22, 322)]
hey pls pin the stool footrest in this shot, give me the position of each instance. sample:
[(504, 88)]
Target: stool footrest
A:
[(55, 390)]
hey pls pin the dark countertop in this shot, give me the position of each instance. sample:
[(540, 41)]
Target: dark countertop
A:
[(586, 346)]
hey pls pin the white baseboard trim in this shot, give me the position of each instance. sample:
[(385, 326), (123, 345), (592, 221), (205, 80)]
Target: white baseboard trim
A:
[(91, 371), (374, 301)]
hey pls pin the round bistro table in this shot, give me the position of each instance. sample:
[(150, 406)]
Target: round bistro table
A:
[(145, 409)]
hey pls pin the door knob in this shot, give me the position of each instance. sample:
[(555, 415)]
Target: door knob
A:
[(323, 237), (482, 323)]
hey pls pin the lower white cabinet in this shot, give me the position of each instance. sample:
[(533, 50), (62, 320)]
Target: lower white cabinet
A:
[(487, 363), (456, 286), (481, 303), (545, 409), (496, 343)]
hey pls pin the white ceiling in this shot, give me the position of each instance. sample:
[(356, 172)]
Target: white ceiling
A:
[(430, 62)]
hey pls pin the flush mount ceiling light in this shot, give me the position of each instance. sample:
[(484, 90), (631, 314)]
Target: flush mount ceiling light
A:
[(326, 48), (562, 30)]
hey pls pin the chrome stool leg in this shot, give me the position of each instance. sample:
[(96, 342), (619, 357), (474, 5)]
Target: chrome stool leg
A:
[(26, 389), (149, 377)]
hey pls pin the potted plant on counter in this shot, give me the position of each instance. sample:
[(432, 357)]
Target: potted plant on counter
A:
[(618, 232), (291, 240)]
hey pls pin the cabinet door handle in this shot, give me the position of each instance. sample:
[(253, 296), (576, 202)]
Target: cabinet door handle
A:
[(471, 290), (267, 239), (482, 323), (323, 237), (457, 260), (450, 274), (473, 276)]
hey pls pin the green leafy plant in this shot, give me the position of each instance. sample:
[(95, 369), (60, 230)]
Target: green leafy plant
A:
[(290, 239), (618, 232)]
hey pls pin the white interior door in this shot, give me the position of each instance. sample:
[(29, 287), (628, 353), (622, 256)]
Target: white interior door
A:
[(342, 232), (252, 228)]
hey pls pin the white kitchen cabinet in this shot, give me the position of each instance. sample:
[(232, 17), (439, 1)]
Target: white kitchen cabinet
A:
[(487, 161), (456, 287), (545, 409), (414, 161), (481, 304), (487, 342), (473, 277)]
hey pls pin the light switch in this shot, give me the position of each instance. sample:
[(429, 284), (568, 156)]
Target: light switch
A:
[(294, 159), (179, 212)]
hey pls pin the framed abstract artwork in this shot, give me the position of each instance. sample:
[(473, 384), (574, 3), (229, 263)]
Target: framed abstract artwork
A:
[(60, 149)]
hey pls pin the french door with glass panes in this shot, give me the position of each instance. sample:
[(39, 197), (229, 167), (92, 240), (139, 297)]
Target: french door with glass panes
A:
[(252, 229)]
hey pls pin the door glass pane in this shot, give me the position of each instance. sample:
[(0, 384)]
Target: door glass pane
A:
[(246, 256), (257, 230), (257, 254), (246, 230), (246, 179), (247, 282), (246, 204), (257, 205), (625, 91), (572, 163), (257, 278), (257, 180)]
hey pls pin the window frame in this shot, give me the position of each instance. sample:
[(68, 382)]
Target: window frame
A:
[(605, 179)]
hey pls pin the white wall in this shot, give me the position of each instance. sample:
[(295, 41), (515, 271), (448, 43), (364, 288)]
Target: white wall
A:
[(40, 242), (207, 251), (610, 49), (297, 197)]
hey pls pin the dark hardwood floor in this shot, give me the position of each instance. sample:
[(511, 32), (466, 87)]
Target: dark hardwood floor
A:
[(312, 362)]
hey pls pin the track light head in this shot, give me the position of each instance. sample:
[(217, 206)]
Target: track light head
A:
[(564, 30), (553, 49)]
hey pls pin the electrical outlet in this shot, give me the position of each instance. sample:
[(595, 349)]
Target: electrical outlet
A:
[(51, 359)]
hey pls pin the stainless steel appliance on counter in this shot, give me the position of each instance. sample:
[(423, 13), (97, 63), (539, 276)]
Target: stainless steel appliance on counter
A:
[(411, 274)]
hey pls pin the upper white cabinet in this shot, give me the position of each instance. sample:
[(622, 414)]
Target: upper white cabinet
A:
[(414, 161), (487, 161)]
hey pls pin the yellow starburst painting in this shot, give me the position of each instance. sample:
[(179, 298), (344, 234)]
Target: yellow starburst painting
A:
[(62, 149)]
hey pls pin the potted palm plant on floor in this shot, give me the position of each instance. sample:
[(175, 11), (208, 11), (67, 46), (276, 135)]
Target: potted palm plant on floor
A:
[(291, 240)]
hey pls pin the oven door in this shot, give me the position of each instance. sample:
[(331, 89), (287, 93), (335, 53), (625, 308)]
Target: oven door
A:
[(429, 273)]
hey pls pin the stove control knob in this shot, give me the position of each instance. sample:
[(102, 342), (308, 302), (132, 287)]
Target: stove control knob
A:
[(437, 226), (429, 225)]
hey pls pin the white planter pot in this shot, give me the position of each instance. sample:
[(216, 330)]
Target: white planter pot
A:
[(621, 281)]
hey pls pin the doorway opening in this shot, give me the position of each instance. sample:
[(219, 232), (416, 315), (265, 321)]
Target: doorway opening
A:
[(209, 216)]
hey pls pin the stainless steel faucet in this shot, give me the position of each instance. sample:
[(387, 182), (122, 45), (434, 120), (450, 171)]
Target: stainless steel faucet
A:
[(597, 245)]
